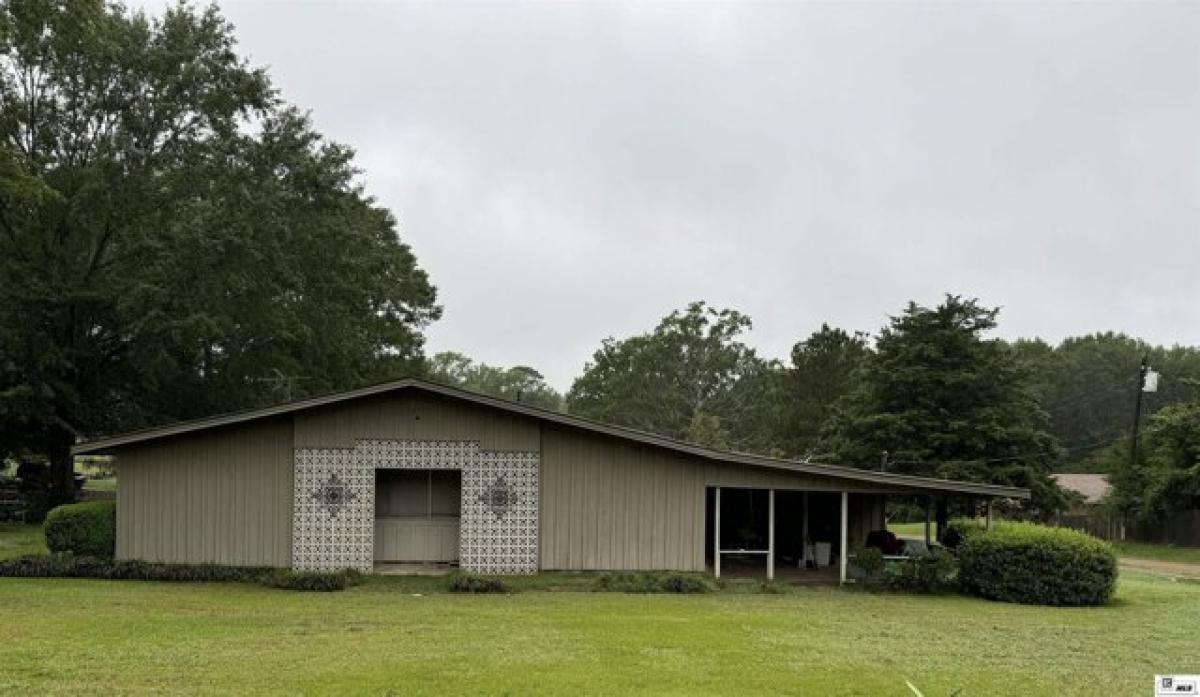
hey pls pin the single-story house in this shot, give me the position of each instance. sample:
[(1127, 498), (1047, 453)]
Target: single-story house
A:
[(411, 472), (1089, 513)]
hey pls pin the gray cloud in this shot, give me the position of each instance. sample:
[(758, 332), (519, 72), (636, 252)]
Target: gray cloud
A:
[(569, 172)]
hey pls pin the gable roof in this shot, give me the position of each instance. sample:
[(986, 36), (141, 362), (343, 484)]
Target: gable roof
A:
[(108, 444), (1093, 487)]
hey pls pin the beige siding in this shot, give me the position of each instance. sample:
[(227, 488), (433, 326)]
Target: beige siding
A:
[(414, 417), (610, 504), (221, 496)]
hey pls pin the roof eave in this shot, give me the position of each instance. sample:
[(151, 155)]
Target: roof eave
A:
[(903, 482)]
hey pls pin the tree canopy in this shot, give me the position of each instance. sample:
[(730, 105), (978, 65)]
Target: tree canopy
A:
[(823, 369), (518, 383), (942, 399), (175, 239), (1165, 477), (691, 378)]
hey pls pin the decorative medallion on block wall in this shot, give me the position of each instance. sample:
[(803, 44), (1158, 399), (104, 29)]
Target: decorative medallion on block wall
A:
[(333, 494), (498, 497), (334, 507)]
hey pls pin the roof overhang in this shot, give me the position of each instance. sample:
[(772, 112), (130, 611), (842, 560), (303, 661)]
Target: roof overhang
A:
[(900, 482)]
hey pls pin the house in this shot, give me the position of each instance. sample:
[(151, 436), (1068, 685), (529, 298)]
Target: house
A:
[(410, 472), (1089, 513), (1091, 487)]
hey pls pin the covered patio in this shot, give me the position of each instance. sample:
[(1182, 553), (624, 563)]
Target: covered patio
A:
[(801, 536)]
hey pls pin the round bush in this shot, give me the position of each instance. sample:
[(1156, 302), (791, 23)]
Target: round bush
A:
[(1037, 565), (87, 529)]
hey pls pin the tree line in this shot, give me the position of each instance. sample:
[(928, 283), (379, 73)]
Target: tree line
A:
[(177, 240)]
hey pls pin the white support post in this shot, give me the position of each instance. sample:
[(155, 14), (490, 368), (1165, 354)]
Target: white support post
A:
[(804, 532), (927, 522), (770, 534), (842, 546), (717, 533)]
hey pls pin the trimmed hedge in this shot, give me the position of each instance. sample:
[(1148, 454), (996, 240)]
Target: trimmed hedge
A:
[(321, 581), (462, 582), (86, 529), (650, 582), (1037, 565), (65, 565)]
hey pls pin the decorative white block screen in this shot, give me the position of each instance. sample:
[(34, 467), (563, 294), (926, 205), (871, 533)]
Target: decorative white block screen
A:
[(333, 515)]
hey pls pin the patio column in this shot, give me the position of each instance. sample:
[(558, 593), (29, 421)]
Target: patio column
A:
[(770, 534), (842, 546), (927, 521), (717, 533), (804, 533)]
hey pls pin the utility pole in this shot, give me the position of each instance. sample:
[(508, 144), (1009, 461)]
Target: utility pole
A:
[(1137, 409)]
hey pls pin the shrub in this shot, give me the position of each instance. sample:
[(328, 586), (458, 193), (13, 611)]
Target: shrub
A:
[(959, 529), (72, 566), (868, 567), (931, 573), (323, 581), (1038, 565), (462, 582), (87, 529), (65, 565), (651, 582)]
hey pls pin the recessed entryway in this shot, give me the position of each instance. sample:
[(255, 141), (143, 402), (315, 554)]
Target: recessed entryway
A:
[(417, 516)]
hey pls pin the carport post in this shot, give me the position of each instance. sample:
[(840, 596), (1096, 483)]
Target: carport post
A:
[(927, 522), (770, 534), (842, 546), (804, 532), (717, 533)]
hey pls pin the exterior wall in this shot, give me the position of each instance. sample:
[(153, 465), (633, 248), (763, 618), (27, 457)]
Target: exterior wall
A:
[(334, 510), (611, 504), (258, 493), (216, 497), (415, 417)]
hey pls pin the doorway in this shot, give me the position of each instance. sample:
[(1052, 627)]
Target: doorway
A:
[(417, 516)]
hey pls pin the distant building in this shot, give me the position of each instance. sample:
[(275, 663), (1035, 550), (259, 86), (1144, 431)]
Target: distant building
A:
[(1091, 515)]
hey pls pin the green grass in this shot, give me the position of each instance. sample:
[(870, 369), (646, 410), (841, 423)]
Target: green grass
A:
[(911, 529), (395, 635), (108, 484), (1160, 552), (19, 540)]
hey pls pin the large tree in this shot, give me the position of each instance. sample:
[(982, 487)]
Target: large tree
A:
[(174, 238), (823, 369), (1088, 385), (518, 383), (1165, 477), (691, 378), (943, 399)]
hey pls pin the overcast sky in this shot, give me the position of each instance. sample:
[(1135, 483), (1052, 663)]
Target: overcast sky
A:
[(571, 172)]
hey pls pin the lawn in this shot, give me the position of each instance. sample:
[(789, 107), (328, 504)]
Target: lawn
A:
[(1161, 552), (396, 635), (18, 540)]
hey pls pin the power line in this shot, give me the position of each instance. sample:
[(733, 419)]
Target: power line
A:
[(1094, 444)]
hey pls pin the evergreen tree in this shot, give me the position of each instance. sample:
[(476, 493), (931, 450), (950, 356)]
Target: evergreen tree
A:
[(944, 400)]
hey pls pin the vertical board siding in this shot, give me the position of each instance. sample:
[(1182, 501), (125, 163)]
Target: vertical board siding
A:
[(218, 497), (611, 504), (414, 416)]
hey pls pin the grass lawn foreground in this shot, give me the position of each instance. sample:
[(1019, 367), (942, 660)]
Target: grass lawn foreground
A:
[(403, 635)]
